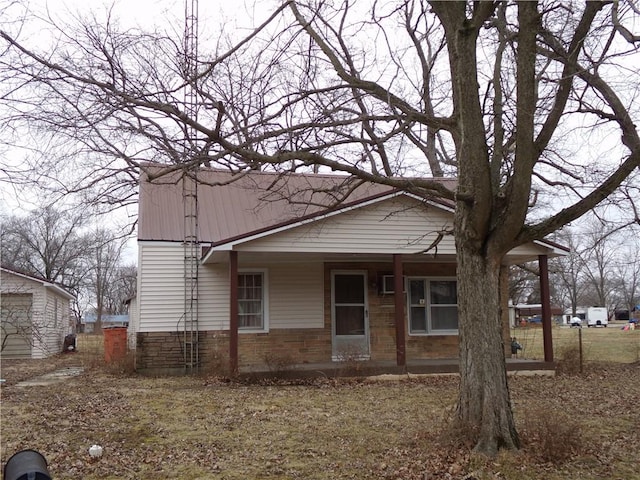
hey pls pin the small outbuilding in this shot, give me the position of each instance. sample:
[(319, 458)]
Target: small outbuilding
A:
[(35, 315)]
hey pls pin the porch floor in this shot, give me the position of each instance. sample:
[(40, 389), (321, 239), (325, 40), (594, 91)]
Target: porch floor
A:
[(369, 368)]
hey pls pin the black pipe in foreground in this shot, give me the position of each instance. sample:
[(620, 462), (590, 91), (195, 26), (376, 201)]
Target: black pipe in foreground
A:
[(26, 465)]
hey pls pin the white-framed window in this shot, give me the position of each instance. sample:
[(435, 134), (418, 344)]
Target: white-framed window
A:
[(253, 301), (432, 306)]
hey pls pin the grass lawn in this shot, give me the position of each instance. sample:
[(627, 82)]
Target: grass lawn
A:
[(611, 344), (572, 426)]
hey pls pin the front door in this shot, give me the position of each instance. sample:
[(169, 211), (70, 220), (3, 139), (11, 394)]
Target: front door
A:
[(349, 315)]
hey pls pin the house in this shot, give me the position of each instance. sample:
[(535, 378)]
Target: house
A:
[(35, 315), (107, 320), (289, 272), (520, 313)]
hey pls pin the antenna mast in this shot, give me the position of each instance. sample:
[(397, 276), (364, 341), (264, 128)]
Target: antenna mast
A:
[(190, 191)]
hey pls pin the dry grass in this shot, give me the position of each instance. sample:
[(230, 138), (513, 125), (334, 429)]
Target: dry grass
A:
[(611, 344), (572, 427)]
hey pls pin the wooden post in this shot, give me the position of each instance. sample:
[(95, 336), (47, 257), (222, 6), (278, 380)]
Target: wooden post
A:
[(233, 312), (398, 296), (546, 308), (580, 345)]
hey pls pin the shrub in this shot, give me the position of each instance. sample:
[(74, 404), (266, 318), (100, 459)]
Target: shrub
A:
[(122, 366), (279, 362), (550, 435), (569, 360)]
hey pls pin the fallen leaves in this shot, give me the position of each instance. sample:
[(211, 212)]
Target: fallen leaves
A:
[(194, 427)]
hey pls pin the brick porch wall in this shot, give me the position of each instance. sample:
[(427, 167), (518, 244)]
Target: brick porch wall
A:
[(381, 312), (163, 351), (300, 345)]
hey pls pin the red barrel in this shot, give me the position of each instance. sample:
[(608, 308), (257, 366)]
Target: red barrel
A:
[(115, 343)]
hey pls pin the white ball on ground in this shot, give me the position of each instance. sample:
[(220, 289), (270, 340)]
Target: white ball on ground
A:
[(95, 451)]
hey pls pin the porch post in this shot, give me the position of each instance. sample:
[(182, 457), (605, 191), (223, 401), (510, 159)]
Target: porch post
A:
[(233, 312), (546, 308), (398, 284)]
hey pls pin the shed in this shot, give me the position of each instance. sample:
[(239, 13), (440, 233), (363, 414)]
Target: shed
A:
[(35, 315)]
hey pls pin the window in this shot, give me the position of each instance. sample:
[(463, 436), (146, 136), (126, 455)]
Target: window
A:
[(433, 306), (252, 295)]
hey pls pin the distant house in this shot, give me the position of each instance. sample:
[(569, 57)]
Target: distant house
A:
[(526, 311), (288, 273), (35, 315), (89, 321)]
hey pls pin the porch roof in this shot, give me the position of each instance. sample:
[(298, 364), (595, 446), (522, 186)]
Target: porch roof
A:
[(367, 231)]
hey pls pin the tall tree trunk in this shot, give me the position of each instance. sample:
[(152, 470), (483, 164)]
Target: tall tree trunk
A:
[(484, 404)]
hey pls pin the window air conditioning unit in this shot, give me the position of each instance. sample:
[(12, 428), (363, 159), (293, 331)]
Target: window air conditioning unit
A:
[(387, 285)]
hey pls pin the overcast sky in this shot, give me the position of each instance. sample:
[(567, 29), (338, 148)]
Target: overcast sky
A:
[(165, 16)]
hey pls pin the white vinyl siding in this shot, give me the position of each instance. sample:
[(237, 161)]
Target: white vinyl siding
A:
[(50, 313), (161, 288), (160, 298), (295, 291), (398, 225), (296, 295), (134, 323), (54, 326)]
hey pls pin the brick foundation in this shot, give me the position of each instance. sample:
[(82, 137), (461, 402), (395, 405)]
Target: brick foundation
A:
[(162, 352)]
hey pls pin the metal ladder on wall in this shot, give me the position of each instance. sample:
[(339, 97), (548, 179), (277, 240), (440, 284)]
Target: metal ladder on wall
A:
[(191, 243)]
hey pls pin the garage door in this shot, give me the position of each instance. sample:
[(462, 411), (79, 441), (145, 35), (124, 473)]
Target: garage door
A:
[(15, 313)]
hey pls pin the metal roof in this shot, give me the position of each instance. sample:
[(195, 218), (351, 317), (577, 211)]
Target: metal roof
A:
[(232, 207), (238, 206)]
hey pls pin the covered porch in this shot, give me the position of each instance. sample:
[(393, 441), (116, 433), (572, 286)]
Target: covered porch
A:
[(385, 281)]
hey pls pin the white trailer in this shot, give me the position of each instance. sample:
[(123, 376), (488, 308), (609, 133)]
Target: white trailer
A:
[(597, 316)]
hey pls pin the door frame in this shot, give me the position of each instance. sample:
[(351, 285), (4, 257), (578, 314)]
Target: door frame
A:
[(362, 343)]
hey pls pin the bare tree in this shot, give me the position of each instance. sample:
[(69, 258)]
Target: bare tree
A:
[(570, 270), (522, 282), (612, 265), (497, 93), (121, 288), (628, 282), (54, 245), (599, 260), (105, 257), (47, 243)]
